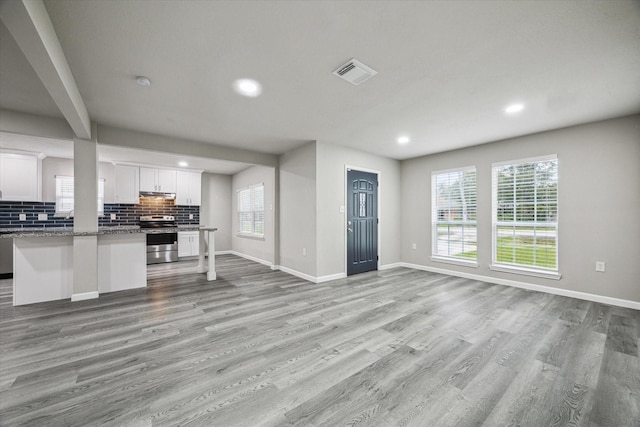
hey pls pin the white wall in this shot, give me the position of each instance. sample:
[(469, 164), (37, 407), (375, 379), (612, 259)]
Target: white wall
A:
[(215, 208), (52, 166), (262, 249), (298, 209), (599, 204), (331, 162)]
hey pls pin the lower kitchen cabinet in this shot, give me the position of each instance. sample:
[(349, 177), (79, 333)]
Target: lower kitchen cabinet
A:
[(188, 243)]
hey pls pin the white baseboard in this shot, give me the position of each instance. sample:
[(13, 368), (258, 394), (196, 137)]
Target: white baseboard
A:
[(390, 266), (529, 286), (251, 258), (297, 273), (330, 277), (223, 252), (84, 296)]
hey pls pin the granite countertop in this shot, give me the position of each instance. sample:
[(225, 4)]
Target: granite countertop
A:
[(9, 233)]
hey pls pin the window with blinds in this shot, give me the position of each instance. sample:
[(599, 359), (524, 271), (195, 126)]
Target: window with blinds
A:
[(454, 220), (525, 214), (251, 210), (64, 196)]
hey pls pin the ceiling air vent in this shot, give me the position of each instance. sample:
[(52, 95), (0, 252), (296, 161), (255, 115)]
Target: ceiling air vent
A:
[(355, 72)]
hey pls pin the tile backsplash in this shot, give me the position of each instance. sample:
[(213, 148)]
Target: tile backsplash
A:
[(126, 214)]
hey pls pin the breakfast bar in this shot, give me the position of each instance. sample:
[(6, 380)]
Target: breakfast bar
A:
[(43, 260)]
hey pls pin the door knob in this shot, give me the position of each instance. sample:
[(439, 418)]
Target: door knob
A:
[(350, 230)]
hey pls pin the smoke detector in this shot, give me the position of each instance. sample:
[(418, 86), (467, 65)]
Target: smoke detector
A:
[(355, 72)]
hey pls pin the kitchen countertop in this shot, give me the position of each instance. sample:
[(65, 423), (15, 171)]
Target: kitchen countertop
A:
[(10, 233)]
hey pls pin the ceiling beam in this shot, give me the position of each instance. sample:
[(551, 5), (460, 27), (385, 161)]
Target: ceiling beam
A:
[(109, 135), (30, 25)]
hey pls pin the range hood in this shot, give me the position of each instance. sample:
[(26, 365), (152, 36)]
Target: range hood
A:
[(157, 195)]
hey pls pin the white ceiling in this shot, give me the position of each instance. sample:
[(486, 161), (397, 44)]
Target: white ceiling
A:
[(446, 70)]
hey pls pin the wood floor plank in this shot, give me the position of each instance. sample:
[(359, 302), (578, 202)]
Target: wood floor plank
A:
[(263, 348)]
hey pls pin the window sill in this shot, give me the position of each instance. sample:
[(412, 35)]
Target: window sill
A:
[(462, 262), (526, 271), (249, 236)]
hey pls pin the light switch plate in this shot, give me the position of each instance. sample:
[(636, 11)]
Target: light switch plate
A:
[(190, 216), (43, 217), (600, 266), (414, 246), (113, 216), (22, 217), (342, 209)]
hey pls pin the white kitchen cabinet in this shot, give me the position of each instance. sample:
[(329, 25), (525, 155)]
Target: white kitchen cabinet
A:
[(188, 188), (127, 184), (20, 177), (188, 243), (162, 180)]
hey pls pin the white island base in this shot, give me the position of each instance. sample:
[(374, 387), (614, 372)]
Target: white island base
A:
[(43, 266)]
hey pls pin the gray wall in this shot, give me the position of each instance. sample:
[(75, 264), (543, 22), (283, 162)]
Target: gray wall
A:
[(599, 204), (298, 209), (52, 166), (331, 162), (215, 209), (258, 248)]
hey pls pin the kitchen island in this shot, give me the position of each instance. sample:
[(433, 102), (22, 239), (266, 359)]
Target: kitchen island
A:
[(43, 260)]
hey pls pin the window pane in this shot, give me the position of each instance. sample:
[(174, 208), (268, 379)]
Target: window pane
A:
[(454, 213), (251, 210), (525, 207)]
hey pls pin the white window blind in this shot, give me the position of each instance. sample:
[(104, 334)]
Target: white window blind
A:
[(65, 195), (454, 209), (525, 214), (251, 210)]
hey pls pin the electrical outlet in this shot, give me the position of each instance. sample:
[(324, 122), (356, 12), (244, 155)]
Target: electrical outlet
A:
[(190, 216), (414, 246), (304, 251), (43, 217), (113, 216), (600, 266), (22, 217)]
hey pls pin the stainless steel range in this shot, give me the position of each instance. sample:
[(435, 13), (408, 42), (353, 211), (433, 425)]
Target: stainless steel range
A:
[(162, 243)]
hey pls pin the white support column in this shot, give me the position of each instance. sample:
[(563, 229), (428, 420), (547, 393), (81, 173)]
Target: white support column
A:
[(85, 247), (210, 267)]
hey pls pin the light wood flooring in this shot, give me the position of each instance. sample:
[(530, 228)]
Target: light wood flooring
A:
[(259, 347)]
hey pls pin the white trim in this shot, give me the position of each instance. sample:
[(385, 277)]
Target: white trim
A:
[(526, 160), (461, 262), (222, 253), (539, 288), (460, 169), (346, 213), (252, 258), (390, 266), (84, 295), (330, 277), (554, 275), (297, 273), (309, 277)]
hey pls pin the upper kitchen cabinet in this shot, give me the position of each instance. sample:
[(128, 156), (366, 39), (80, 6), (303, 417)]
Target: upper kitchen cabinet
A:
[(159, 180), (127, 184), (20, 177), (188, 192)]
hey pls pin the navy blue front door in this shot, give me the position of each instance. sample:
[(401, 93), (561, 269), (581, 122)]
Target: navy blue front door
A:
[(362, 221)]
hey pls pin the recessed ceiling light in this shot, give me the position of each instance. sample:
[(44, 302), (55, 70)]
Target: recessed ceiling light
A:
[(143, 81), (514, 108), (403, 139), (247, 87), (183, 164)]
